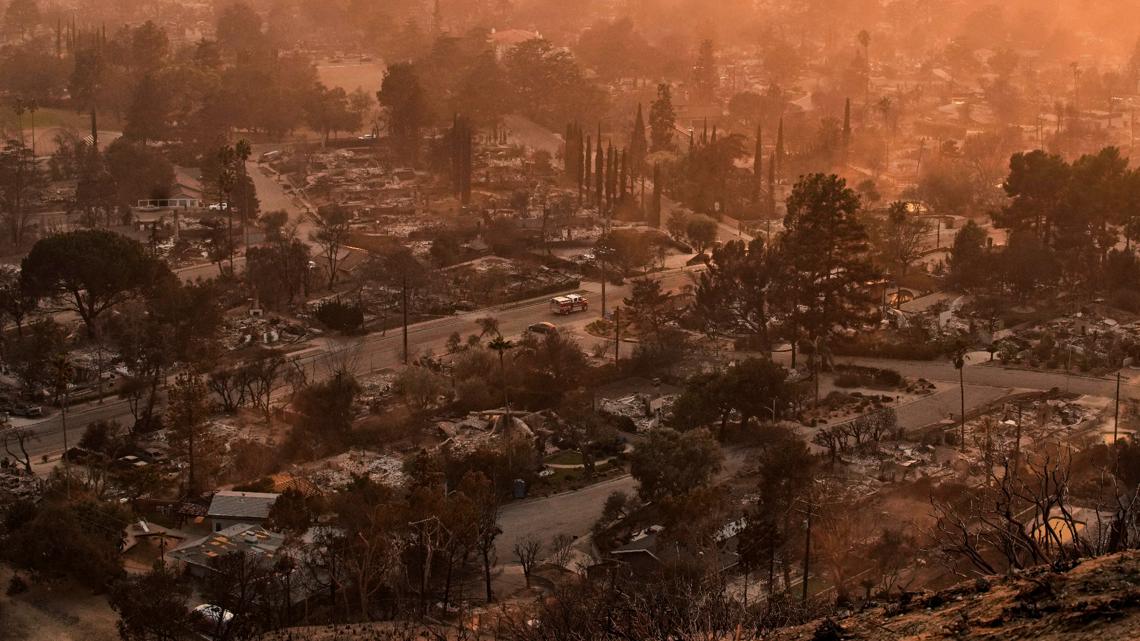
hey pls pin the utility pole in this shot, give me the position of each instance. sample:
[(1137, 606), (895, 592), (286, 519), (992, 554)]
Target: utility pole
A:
[(815, 368), (807, 557), (602, 264), (66, 463), (32, 108), (617, 334), (962, 394), (404, 307), (1017, 443), (1116, 410), (63, 373)]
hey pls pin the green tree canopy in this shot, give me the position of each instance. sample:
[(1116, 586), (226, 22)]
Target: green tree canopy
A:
[(91, 271), (671, 463), (826, 252)]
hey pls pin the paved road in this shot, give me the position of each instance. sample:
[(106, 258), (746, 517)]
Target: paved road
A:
[(368, 354), (992, 375), (575, 512)]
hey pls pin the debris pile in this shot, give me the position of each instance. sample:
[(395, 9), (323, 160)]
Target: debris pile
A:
[(499, 280), (1086, 341), (644, 411), (15, 484), (256, 329), (338, 471), (481, 428)]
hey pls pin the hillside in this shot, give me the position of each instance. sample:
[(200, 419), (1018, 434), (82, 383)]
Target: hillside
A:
[(1098, 599)]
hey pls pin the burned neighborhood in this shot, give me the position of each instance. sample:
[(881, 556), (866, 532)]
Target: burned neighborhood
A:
[(535, 321)]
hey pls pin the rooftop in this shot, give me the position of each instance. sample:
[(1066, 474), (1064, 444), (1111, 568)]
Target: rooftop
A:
[(240, 538), (241, 505)]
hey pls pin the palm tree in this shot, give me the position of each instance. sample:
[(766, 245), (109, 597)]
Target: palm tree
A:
[(502, 346), (959, 358), (864, 38)]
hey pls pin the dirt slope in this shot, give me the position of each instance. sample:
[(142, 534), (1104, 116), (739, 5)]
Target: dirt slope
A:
[(1098, 599)]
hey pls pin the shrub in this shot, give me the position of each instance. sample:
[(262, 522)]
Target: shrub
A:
[(342, 317), (909, 348), (855, 376), (17, 585), (1126, 299)]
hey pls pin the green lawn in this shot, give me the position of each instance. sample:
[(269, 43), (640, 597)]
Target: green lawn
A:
[(565, 457), (65, 118), (564, 479)]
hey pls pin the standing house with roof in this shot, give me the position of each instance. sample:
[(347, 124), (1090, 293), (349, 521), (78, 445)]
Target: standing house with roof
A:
[(199, 556), (229, 508)]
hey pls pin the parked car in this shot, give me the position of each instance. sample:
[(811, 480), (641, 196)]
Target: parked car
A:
[(543, 328), (211, 618), (26, 410)]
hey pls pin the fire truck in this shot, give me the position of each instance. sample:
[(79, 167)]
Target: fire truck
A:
[(569, 304)]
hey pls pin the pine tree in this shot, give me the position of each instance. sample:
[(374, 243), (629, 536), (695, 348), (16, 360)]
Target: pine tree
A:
[(828, 256), (662, 119), (705, 75), (462, 142)]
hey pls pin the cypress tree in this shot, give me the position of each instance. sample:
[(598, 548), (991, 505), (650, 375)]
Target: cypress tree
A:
[(757, 166), (462, 151), (847, 121), (655, 209), (772, 185), (623, 175), (638, 145), (599, 173), (468, 157), (610, 175), (587, 162), (567, 138), (456, 159), (581, 166), (779, 162)]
